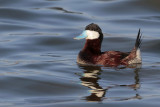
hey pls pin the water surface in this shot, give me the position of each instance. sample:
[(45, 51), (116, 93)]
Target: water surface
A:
[(38, 54)]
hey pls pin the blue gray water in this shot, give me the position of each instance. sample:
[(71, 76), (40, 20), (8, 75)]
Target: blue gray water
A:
[(38, 53)]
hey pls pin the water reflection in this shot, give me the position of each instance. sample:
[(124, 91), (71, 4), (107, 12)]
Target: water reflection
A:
[(90, 79)]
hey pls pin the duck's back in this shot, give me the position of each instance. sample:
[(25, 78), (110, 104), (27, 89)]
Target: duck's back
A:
[(112, 58), (108, 58)]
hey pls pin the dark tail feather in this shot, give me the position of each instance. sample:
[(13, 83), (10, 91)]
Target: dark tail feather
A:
[(138, 40), (135, 55)]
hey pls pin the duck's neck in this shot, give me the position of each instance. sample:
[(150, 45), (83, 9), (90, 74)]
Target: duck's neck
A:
[(93, 46)]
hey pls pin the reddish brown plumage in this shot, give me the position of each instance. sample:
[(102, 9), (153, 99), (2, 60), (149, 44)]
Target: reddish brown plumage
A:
[(91, 53)]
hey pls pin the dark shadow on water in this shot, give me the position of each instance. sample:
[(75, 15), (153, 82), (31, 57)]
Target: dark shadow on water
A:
[(91, 77), (64, 10)]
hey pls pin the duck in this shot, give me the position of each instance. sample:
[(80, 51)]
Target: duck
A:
[(91, 53)]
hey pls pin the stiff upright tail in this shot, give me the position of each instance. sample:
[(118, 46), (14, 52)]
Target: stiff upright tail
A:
[(136, 51), (135, 55), (138, 40)]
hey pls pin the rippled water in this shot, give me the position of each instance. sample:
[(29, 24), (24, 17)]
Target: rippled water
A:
[(38, 54)]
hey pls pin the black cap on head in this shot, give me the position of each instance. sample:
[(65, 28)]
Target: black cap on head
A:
[(93, 27)]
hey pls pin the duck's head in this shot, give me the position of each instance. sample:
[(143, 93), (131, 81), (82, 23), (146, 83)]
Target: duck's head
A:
[(91, 32)]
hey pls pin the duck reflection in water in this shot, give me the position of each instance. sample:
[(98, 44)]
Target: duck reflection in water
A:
[(91, 77)]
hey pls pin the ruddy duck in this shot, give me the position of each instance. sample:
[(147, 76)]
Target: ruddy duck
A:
[(91, 53)]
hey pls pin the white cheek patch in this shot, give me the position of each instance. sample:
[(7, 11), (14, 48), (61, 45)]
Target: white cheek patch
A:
[(92, 34)]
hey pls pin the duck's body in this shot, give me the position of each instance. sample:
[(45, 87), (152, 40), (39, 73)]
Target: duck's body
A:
[(109, 58), (91, 53)]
